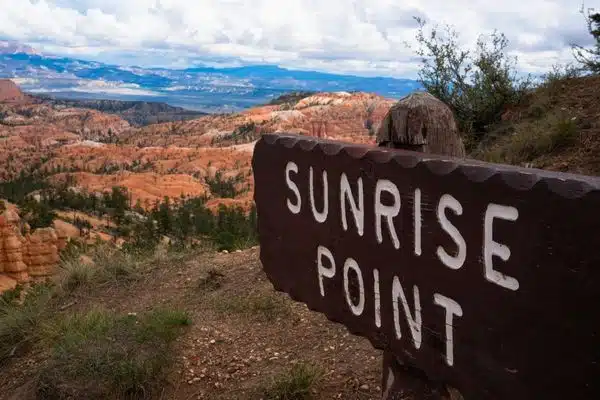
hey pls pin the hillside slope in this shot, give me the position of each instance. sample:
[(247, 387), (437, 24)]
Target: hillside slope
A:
[(558, 128)]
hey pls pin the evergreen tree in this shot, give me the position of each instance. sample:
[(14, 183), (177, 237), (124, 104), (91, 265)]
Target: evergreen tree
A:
[(164, 217), (138, 207), (118, 201), (37, 214), (183, 222)]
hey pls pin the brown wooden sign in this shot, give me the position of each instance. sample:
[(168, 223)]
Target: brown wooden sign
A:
[(483, 276)]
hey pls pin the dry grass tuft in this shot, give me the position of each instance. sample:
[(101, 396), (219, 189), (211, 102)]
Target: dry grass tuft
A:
[(531, 140), (295, 384)]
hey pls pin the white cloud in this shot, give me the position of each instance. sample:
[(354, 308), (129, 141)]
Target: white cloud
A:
[(353, 36)]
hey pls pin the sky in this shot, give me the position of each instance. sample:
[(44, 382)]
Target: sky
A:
[(361, 37)]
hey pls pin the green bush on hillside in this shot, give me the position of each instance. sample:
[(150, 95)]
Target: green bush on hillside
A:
[(230, 228), (37, 214), (477, 84)]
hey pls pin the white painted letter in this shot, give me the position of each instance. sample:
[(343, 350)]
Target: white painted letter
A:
[(358, 211), (377, 298), (418, 222), (294, 208), (319, 216), (452, 308), (454, 262), (389, 211), (321, 269), (491, 248), (414, 323), (357, 309)]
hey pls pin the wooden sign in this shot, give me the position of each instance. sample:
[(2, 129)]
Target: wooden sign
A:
[(483, 276)]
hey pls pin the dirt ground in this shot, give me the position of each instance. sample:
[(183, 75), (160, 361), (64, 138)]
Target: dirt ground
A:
[(242, 335)]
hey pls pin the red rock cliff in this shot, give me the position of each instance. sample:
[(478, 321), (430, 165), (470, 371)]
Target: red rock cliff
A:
[(10, 92)]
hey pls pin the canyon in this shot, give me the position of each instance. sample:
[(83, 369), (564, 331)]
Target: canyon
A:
[(100, 150), (92, 151)]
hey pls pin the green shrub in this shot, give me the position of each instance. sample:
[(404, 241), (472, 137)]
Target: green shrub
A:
[(221, 187), (477, 85), (37, 214), (289, 100)]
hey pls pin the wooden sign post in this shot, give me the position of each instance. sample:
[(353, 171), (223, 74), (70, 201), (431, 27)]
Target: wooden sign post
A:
[(418, 122), (484, 277)]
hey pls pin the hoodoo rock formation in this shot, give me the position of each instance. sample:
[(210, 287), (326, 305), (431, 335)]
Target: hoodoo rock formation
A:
[(41, 253), (33, 256), (11, 247)]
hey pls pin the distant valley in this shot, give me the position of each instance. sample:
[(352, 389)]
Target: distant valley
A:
[(204, 89)]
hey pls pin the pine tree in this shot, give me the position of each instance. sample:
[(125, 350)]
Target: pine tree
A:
[(164, 217), (118, 200), (37, 214), (183, 225)]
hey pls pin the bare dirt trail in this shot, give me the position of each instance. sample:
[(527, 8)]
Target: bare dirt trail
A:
[(244, 334)]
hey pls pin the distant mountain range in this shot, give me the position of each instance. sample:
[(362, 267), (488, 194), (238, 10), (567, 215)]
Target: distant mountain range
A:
[(201, 88), (12, 47)]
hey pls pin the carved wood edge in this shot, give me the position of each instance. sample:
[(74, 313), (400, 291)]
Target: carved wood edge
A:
[(566, 185)]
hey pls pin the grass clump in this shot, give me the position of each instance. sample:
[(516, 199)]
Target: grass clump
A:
[(108, 356), (265, 306), (11, 296), (77, 274), (106, 266), (295, 384), (19, 321), (117, 266)]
